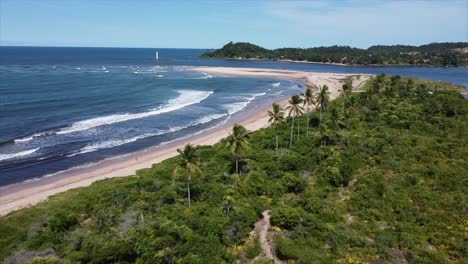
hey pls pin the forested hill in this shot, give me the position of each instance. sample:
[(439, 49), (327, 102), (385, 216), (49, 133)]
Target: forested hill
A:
[(378, 176), (435, 54)]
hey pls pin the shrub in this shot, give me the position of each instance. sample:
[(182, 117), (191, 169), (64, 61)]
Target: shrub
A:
[(293, 182), (286, 216)]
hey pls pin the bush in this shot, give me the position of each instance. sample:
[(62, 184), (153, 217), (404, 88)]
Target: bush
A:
[(293, 183), (45, 260), (62, 222), (286, 217), (253, 249)]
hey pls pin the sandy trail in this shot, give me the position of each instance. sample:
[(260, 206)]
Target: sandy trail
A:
[(261, 229), (17, 196)]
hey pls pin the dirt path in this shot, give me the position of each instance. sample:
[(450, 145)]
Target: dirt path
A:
[(261, 229)]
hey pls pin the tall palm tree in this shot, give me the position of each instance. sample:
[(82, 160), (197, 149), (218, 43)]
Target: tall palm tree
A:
[(276, 118), (237, 143), (187, 163), (295, 109), (308, 100), (325, 134), (323, 99), (351, 112), (336, 118), (346, 94), (228, 200)]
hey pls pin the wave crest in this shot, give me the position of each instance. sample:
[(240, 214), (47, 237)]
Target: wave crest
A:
[(185, 98), (17, 154), (236, 107), (119, 142)]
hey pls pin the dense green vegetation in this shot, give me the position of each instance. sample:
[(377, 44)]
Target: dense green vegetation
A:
[(437, 54), (384, 180)]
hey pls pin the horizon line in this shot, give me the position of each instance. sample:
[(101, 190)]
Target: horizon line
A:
[(103, 47), (122, 47)]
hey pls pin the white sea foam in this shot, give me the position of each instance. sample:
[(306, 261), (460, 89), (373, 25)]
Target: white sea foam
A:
[(106, 144), (159, 75), (119, 142), (238, 106), (278, 93), (206, 76), (257, 95), (185, 98), (26, 139), (276, 84), (150, 71), (17, 154)]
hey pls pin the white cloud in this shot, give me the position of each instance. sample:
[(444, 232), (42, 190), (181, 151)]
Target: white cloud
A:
[(389, 22)]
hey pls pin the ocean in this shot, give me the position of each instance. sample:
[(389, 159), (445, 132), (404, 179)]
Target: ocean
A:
[(66, 107)]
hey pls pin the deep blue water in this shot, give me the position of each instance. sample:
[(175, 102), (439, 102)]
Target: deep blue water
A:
[(65, 107)]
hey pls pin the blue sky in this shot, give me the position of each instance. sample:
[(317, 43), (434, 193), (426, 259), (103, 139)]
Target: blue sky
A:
[(211, 23)]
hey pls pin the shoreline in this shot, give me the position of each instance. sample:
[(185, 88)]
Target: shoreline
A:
[(337, 63), (25, 194)]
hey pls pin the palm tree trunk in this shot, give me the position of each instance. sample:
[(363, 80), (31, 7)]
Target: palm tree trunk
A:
[(237, 166), (188, 191), (276, 134), (308, 121), (292, 128), (320, 122), (142, 219), (298, 123)]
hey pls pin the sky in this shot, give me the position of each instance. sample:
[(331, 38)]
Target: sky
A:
[(212, 23)]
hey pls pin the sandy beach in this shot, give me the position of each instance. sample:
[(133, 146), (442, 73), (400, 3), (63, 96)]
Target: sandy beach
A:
[(16, 196)]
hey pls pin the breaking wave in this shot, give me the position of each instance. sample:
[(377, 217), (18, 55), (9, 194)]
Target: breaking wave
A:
[(205, 76), (119, 142), (236, 107), (17, 154), (185, 98)]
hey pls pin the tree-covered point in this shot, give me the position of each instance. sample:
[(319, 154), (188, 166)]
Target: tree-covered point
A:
[(436, 54), (383, 180)]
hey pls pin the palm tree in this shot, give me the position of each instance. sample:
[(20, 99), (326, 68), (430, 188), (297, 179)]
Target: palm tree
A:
[(351, 112), (379, 84), (323, 99), (336, 118), (308, 99), (368, 96), (237, 143), (325, 134), (187, 163), (346, 94), (295, 109), (276, 118), (228, 200)]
